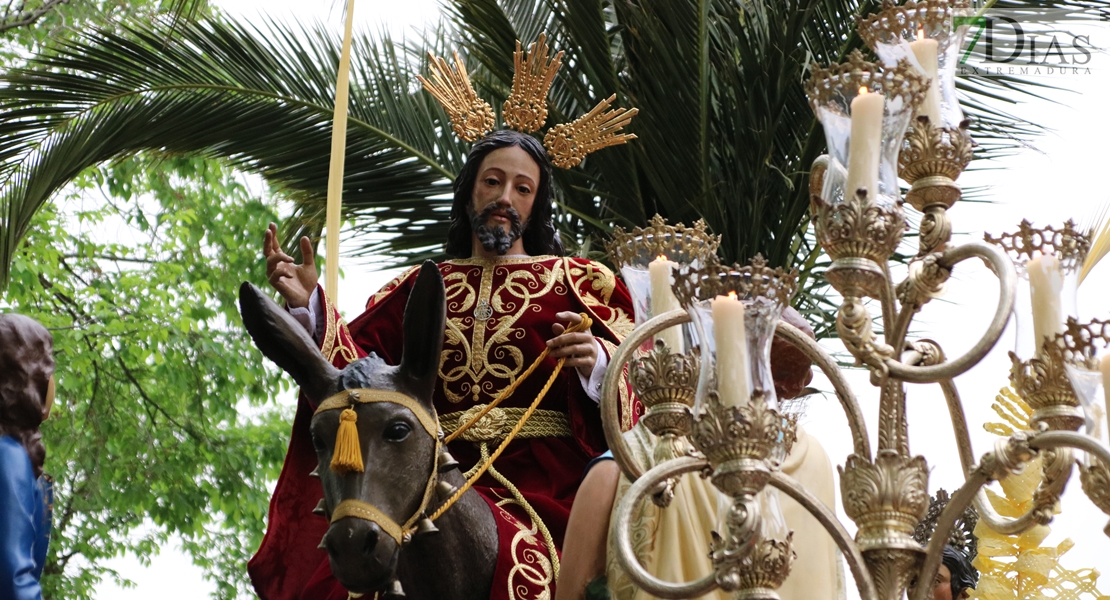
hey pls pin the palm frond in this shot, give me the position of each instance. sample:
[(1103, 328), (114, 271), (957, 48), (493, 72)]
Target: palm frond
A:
[(260, 99), (725, 131)]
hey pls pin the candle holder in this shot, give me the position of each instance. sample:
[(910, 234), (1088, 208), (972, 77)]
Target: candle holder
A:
[(1069, 246), (893, 30), (857, 231), (665, 382), (931, 160), (744, 444), (1082, 369), (739, 439), (1037, 370), (765, 293), (632, 253)]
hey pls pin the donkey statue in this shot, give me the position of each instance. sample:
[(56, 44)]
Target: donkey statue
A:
[(370, 543)]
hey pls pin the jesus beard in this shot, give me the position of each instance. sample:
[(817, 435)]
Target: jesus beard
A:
[(494, 238)]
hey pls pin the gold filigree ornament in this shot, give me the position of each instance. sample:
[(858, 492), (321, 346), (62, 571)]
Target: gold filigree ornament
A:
[(526, 108), (471, 117), (680, 243), (1068, 243)]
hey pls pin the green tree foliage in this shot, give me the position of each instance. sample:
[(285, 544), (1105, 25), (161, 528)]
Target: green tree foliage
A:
[(26, 25), (165, 422)]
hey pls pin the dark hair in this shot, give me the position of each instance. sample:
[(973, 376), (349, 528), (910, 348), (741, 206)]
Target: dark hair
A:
[(539, 236), (26, 365), (964, 575)]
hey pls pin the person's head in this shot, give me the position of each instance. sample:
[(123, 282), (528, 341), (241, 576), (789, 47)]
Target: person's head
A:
[(955, 578), (26, 382), (503, 193)]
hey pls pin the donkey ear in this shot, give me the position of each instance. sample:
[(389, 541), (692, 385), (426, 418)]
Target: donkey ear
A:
[(425, 316), (283, 340)]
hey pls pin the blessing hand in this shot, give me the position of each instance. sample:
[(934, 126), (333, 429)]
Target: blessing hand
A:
[(294, 282), (579, 348)]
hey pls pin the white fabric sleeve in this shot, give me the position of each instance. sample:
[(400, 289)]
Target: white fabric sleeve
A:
[(307, 316), (597, 376)]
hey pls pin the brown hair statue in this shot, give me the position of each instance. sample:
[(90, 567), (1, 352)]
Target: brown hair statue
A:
[(26, 495)]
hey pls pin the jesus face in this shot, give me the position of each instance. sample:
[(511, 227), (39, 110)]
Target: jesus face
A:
[(502, 200)]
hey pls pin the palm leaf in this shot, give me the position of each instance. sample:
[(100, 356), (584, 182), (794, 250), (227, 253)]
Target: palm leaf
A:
[(725, 132), (260, 99)]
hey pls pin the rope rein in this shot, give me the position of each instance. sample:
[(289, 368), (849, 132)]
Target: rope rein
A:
[(584, 325), (347, 457)]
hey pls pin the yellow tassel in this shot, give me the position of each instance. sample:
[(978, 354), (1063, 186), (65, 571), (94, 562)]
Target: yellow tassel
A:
[(348, 454)]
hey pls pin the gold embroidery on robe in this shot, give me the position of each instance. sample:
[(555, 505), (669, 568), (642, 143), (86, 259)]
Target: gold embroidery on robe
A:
[(489, 348)]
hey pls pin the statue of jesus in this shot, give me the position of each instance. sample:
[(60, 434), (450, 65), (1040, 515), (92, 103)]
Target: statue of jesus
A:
[(510, 294)]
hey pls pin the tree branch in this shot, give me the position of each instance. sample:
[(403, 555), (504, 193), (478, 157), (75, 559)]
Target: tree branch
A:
[(24, 17)]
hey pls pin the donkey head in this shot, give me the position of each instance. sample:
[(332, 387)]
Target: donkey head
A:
[(397, 451)]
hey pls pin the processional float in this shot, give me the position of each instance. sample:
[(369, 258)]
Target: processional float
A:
[(699, 358)]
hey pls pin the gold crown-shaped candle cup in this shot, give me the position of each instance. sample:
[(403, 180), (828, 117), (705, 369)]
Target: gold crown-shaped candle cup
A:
[(886, 498), (1043, 382), (741, 442), (860, 228), (931, 160), (665, 382)]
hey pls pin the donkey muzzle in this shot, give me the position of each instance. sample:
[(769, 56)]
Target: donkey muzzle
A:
[(362, 557)]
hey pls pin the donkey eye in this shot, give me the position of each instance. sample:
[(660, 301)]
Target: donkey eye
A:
[(318, 443), (396, 431)]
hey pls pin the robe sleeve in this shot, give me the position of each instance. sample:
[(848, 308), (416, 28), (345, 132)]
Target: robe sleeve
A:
[(607, 301)]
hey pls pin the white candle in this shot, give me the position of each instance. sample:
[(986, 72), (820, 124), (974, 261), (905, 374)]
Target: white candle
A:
[(1046, 282), (925, 49), (732, 351), (663, 300), (864, 148), (1104, 368)]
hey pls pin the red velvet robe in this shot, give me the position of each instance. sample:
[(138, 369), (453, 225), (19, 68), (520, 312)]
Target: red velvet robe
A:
[(480, 358)]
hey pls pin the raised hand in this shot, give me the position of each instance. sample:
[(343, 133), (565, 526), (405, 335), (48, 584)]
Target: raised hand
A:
[(579, 348), (294, 282)]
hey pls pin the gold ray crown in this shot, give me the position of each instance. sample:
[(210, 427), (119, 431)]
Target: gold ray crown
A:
[(526, 108), (471, 117)]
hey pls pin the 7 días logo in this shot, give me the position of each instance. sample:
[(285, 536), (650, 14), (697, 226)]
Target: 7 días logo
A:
[(1005, 35)]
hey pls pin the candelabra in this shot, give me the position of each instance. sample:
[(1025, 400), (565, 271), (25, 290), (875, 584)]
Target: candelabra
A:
[(709, 399)]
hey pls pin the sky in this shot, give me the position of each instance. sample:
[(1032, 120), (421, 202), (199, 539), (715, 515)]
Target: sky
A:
[(1058, 177)]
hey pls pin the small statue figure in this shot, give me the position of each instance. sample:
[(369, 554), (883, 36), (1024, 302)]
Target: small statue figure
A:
[(26, 494)]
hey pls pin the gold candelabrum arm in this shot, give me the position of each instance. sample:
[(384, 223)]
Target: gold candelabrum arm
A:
[(1010, 456), (610, 389), (626, 556), (1005, 525)]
